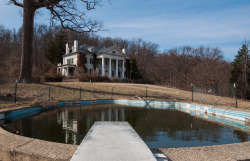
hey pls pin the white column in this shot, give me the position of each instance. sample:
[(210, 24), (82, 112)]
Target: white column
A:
[(116, 68), (75, 71), (102, 115), (67, 74), (123, 115), (116, 114), (110, 68), (110, 114), (123, 70), (103, 71)]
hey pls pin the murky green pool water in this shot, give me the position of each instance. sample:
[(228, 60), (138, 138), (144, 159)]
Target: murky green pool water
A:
[(157, 127)]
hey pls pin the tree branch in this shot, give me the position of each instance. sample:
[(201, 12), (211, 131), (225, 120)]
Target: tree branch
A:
[(73, 19), (16, 3)]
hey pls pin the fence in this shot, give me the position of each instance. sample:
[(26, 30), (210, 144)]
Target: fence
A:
[(220, 95), (32, 94), (19, 93)]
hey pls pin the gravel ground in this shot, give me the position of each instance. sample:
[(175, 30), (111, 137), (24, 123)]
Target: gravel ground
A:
[(227, 152)]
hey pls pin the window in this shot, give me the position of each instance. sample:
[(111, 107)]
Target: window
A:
[(90, 60), (86, 60), (70, 61), (113, 52)]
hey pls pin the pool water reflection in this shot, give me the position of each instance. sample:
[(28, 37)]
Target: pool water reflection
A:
[(157, 127)]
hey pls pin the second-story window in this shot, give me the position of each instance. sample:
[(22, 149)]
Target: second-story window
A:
[(86, 60), (70, 61), (90, 60)]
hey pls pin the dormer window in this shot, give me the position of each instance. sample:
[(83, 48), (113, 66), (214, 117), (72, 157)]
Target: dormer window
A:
[(113, 52)]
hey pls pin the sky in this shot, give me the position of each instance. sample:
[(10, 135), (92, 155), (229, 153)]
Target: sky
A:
[(169, 23)]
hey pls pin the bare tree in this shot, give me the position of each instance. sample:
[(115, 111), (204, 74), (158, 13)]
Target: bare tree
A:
[(186, 62), (212, 69), (64, 11)]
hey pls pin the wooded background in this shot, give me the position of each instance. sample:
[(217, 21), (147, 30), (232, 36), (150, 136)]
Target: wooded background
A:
[(177, 67)]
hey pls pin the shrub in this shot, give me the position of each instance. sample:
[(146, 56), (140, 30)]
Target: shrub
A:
[(116, 79), (51, 77), (85, 77), (72, 77), (36, 79), (103, 79)]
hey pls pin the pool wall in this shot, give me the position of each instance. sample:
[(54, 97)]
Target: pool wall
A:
[(14, 115), (216, 115), (2, 116), (236, 115), (141, 103)]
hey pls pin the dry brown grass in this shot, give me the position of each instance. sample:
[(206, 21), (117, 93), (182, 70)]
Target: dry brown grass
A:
[(33, 94)]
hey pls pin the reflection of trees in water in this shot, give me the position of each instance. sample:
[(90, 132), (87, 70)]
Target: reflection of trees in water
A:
[(71, 124), (242, 136), (174, 124)]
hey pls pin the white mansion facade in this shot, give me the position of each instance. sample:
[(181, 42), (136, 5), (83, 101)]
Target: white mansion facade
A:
[(111, 61)]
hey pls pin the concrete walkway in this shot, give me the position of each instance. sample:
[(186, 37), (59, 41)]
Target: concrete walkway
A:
[(112, 141)]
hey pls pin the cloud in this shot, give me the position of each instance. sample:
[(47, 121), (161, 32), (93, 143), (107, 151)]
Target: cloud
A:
[(219, 28), (170, 23)]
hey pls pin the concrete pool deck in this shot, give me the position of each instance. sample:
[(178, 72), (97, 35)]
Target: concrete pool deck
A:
[(111, 141), (16, 147)]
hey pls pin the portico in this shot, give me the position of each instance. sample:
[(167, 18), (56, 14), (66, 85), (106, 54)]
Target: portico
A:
[(112, 66)]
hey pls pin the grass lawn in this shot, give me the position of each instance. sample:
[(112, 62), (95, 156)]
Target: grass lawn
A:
[(34, 94)]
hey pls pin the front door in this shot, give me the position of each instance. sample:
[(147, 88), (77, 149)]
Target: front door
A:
[(71, 71)]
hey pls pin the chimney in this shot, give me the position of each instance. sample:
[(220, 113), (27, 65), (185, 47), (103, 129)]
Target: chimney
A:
[(91, 49), (67, 48), (75, 45), (124, 51)]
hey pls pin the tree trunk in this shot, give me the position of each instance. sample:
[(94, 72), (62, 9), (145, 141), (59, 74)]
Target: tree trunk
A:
[(27, 42)]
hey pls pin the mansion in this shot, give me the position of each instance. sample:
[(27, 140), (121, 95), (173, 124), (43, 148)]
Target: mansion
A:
[(111, 61)]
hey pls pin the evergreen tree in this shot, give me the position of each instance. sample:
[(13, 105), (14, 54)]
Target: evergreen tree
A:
[(240, 73), (57, 48), (135, 73)]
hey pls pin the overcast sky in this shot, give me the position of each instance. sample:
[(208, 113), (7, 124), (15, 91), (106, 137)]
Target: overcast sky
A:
[(169, 23)]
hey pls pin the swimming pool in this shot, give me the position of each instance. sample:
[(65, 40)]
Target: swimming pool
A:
[(158, 127)]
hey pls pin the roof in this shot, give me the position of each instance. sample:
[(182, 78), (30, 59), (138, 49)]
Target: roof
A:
[(88, 49)]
